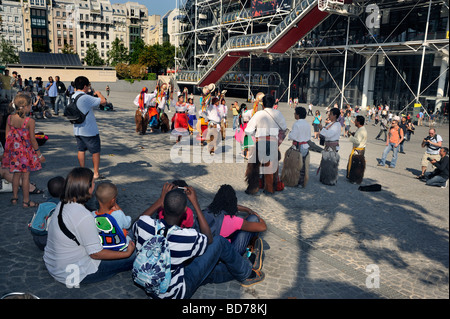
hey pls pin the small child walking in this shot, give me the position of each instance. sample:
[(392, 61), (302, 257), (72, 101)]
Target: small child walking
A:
[(22, 154)]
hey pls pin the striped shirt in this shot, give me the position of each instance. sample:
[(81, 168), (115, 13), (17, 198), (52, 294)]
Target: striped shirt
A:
[(184, 244)]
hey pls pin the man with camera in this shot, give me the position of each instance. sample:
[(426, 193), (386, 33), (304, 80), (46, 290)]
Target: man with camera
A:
[(433, 142), (439, 176)]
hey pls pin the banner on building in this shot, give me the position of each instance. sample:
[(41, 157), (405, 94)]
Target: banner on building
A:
[(266, 7)]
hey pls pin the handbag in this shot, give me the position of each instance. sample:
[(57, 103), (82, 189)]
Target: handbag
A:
[(281, 133)]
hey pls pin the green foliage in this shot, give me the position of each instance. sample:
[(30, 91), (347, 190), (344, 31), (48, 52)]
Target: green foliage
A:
[(7, 52), (122, 70), (118, 53), (68, 49), (92, 56)]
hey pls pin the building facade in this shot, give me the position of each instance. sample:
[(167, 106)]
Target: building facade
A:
[(359, 52), (11, 28)]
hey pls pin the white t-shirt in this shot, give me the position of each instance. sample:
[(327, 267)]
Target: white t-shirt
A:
[(333, 133), (86, 104), (62, 256), (266, 122), (434, 150), (301, 132)]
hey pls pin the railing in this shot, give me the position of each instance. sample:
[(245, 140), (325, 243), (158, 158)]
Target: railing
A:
[(252, 41)]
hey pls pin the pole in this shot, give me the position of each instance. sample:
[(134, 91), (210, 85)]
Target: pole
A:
[(345, 64), (290, 76), (249, 78), (195, 36), (425, 44), (177, 37)]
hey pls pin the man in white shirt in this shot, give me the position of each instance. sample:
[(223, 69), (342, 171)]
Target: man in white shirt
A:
[(296, 166), (87, 133), (264, 125)]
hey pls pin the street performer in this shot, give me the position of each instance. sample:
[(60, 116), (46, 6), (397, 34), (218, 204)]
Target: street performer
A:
[(157, 104), (357, 162), (180, 119), (265, 125), (141, 117), (330, 158), (205, 101)]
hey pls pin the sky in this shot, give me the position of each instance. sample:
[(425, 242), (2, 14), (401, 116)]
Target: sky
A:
[(160, 7)]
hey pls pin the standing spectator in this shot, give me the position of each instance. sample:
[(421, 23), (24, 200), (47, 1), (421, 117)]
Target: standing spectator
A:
[(6, 85), (433, 142), (235, 109), (383, 129), (409, 129), (394, 139), (404, 127), (310, 106), (439, 177), (347, 122), (420, 118), (70, 91), (87, 133), (14, 85), (60, 102), (107, 90), (52, 92), (317, 123), (22, 154), (19, 78)]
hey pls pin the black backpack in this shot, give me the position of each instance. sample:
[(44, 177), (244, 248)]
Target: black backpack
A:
[(73, 113)]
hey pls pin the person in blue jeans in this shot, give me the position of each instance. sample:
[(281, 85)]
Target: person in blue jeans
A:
[(439, 176), (195, 255), (395, 137)]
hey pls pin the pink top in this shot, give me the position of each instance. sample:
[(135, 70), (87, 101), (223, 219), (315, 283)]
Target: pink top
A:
[(230, 224)]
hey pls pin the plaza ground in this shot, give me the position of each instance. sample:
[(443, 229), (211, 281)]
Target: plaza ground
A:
[(322, 242)]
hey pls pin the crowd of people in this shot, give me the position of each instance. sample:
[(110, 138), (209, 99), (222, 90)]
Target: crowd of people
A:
[(196, 240)]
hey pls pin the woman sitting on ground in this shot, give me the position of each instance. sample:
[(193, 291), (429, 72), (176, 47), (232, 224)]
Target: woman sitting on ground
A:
[(239, 231), (82, 259)]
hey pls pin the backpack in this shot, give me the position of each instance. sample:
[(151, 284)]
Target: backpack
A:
[(214, 221), (111, 235), (152, 266), (41, 219), (73, 113)]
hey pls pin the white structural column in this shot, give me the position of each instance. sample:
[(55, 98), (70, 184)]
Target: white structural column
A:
[(369, 81)]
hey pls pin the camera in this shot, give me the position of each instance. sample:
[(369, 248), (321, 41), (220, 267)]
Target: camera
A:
[(427, 140), (429, 159)]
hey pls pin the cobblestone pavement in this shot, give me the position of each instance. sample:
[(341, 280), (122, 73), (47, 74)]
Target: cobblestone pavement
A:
[(319, 241)]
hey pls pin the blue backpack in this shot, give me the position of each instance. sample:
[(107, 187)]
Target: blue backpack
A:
[(152, 266), (111, 235), (41, 219)]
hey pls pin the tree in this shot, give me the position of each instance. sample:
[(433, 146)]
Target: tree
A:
[(8, 54), (118, 53), (137, 46), (149, 57), (92, 56), (68, 49)]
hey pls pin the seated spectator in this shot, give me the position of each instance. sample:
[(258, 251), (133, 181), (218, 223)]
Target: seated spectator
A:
[(188, 220), (80, 258), (239, 231), (194, 254), (55, 188), (106, 195), (439, 176)]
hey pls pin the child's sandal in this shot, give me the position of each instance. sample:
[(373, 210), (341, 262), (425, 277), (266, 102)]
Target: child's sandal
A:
[(30, 204)]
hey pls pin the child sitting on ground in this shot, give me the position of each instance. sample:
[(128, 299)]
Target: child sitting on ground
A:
[(106, 195), (41, 219)]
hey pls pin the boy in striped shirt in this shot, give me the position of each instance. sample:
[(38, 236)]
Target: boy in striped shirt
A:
[(199, 248)]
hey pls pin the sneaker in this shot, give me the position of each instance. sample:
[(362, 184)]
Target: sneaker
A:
[(446, 184), (255, 277), (379, 164), (258, 252)]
